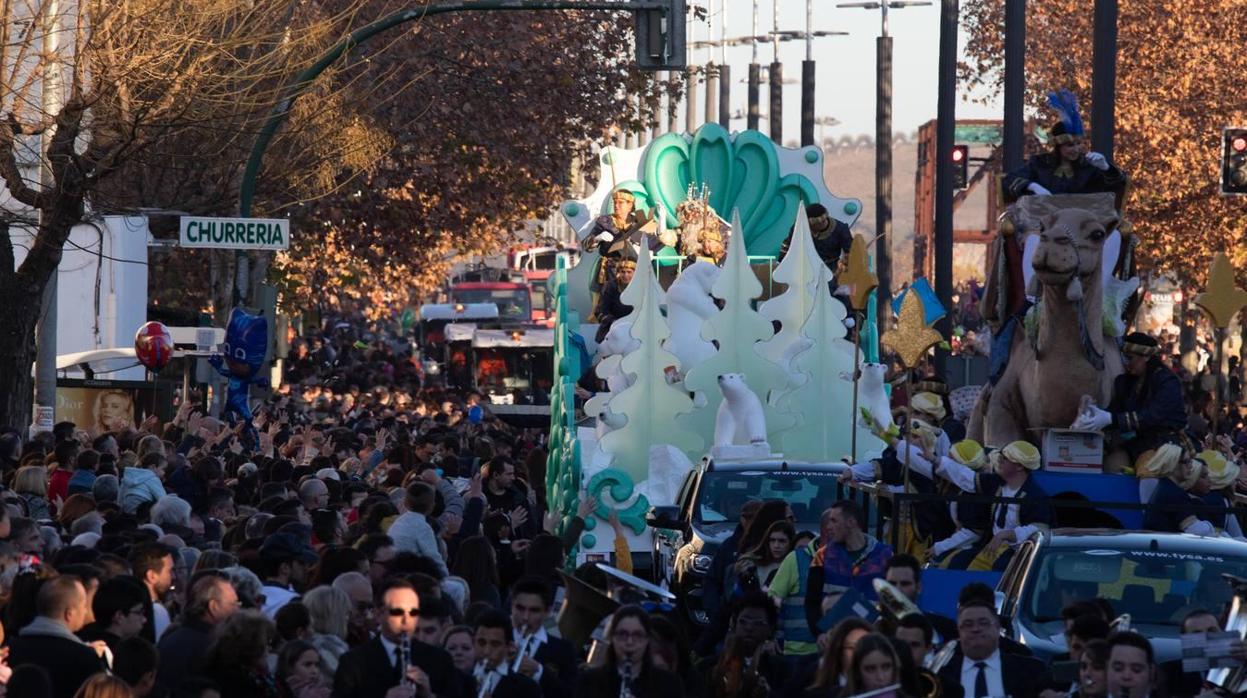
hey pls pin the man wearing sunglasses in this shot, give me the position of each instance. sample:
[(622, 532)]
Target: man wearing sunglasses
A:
[(375, 670)]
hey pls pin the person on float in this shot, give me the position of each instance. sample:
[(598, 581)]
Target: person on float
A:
[(1146, 409), (1012, 522), (1067, 168), (953, 427), (1170, 506), (971, 520), (610, 306), (931, 520), (1222, 474), (832, 238), (618, 235), (930, 408)]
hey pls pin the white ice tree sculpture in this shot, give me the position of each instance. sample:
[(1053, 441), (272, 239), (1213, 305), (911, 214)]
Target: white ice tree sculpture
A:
[(736, 330), (650, 405)]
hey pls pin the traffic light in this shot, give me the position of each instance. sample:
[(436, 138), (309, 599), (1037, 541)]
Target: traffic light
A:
[(961, 166), (660, 37), (1234, 161)]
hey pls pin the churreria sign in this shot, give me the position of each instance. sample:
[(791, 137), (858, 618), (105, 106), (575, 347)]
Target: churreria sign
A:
[(235, 233)]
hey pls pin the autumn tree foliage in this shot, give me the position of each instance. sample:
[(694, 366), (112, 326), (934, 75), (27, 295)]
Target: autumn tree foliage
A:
[(488, 112), (110, 107), (1181, 74)]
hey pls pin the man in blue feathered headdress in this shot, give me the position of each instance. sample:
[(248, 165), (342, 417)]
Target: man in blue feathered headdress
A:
[(1066, 169)]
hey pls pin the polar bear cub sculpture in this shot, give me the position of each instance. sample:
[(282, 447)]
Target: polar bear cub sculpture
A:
[(739, 420), (871, 396)]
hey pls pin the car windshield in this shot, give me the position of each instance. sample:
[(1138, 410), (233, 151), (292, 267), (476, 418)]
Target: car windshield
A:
[(722, 493), (512, 304), (1156, 587)]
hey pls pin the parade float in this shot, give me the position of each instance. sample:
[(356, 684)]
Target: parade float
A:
[(698, 368)]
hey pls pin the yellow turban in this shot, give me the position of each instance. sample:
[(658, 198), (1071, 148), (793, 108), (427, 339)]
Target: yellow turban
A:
[(1163, 462), (1023, 453), (1222, 472), (929, 405), (969, 453)]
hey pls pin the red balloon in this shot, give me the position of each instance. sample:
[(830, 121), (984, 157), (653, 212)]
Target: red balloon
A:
[(153, 345)]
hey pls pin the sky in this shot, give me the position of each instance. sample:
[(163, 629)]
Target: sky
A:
[(845, 72)]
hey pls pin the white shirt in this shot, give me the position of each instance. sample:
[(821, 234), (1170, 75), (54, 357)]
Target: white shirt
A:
[(970, 675), (160, 619), (275, 597), (391, 650)]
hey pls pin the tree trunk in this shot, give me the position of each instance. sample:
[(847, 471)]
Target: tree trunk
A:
[(19, 312)]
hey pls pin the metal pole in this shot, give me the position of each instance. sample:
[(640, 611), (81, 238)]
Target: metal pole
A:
[(1015, 82), (712, 94), (807, 79), (946, 114), (44, 415), (883, 177), (690, 108), (755, 77), (1104, 77), (725, 72), (776, 80)]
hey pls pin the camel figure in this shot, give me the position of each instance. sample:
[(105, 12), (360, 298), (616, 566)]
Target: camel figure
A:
[(1060, 352)]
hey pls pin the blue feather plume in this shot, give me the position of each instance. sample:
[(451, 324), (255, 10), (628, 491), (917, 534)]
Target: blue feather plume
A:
[(1066, 104)]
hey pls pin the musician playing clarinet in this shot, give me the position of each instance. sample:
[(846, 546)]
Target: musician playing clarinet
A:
[(393, 664), (550, 661), (495, 660)]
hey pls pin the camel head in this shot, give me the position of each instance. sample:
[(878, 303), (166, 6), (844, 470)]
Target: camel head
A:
[(1071, 241)]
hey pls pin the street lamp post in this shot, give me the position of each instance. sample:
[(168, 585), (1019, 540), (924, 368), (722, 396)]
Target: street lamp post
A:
[(776, 79), (883, 151), (755, 76), (807, 72)]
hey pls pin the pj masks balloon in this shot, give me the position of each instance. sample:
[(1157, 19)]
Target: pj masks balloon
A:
[(153, 345), (246, 342)]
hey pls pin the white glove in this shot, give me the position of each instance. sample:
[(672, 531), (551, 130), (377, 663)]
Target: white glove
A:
[(850, 322), (605, 237), (1038, 189), (1097, 161), (1093, 419), (1200, 528)]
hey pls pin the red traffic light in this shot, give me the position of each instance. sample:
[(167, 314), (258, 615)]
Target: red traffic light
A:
[(959, 153), (1238, 144)]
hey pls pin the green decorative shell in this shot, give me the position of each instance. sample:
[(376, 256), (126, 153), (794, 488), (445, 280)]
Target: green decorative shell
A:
[(741, 174)]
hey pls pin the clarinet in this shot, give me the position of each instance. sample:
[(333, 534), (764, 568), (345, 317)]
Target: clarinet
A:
[(404, 661), (525, 641), (625, 686)]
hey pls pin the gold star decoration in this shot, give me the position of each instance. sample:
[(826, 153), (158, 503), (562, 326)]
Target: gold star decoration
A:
[(1222, 299), (857, 274), (912, 337)]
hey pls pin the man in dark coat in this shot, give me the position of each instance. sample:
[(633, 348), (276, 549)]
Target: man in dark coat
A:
[(495, 674), (1146, 409), (372, 669), (551, 661), (610, 306), (212, 600), (832, 237), (980, 667), (49, 641)]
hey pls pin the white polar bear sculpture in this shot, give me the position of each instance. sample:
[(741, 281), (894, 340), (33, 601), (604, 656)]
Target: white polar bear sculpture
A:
[(610, 353), (872, 397), (739, 420), (689, 303)]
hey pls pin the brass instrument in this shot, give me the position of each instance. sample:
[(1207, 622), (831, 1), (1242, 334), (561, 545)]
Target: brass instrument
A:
[(929, 684), (893, 604), (941, 659), (1233, 679)]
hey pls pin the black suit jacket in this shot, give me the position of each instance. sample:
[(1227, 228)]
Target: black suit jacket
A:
[(368, 671), (604, 681), (516, 686), (1023, 677), (69, 664), (558, 674)]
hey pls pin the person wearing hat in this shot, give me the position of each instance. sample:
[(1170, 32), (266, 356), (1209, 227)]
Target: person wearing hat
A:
[(617, 235), (832, 238), (970, 519), (952, 426), (610, 306), (1222, 473), (1067, 168), (930, 408), (1011, 522), (1185, 486), (285, 558), (1146, 409)]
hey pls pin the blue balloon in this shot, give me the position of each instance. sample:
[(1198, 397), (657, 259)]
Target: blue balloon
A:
[(475, 414), (246, 343)]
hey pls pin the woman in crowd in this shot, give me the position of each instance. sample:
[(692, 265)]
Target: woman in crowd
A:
[(1092, 671), (833, 669), (459, 645), (756, 567), (330, 611), (31, 483), (298, 671), (629, 669), (875, 666), (477, 565), (237, 658)]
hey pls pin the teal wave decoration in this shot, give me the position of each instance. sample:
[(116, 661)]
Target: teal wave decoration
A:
[(742, 174)]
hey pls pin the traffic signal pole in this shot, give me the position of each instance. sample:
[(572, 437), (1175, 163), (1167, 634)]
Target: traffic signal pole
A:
[(649, 56), (946, 116), (1104, 77)]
